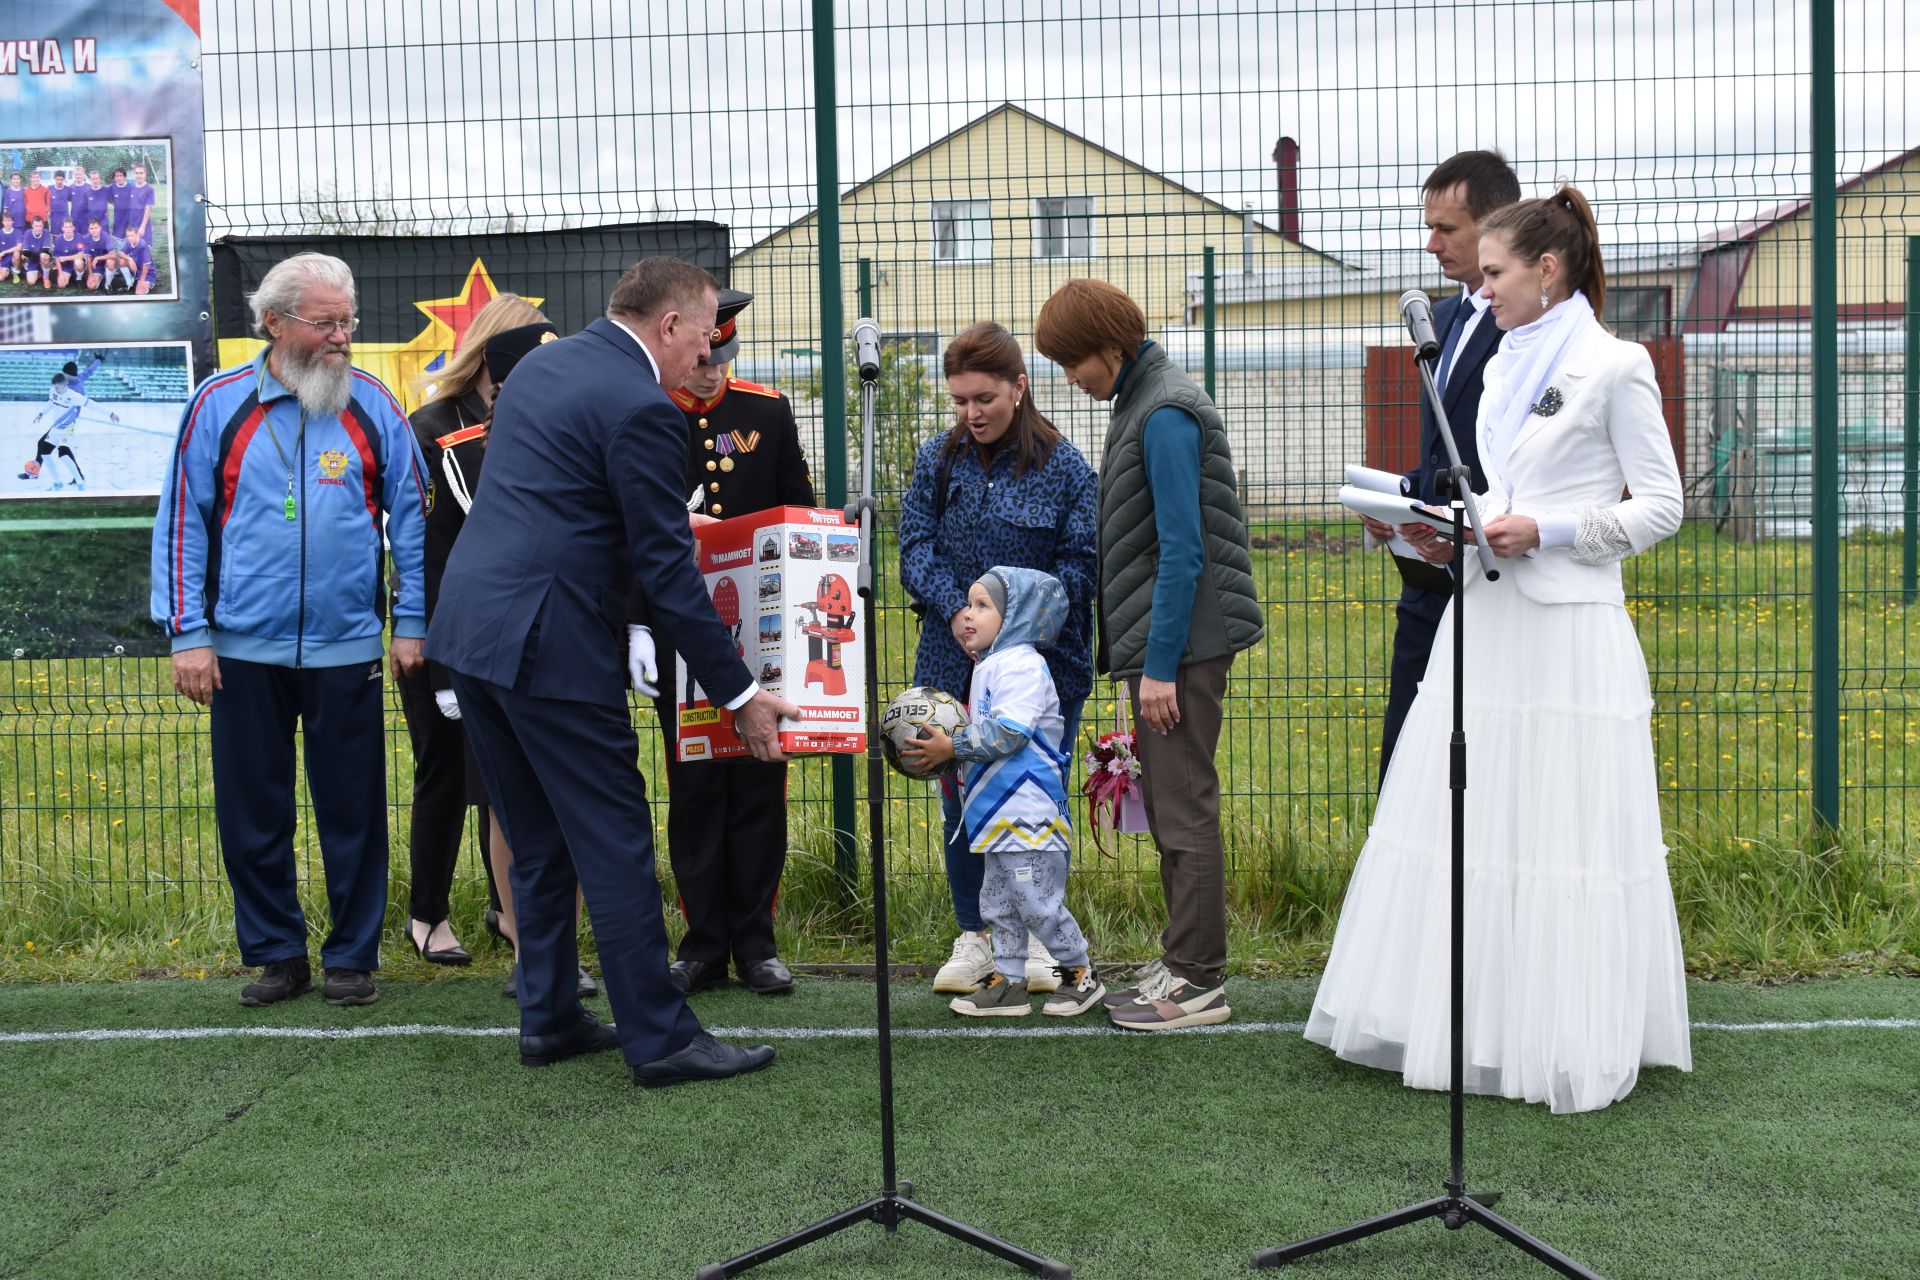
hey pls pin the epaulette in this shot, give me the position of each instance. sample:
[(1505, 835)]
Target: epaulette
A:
[(461, 436), (741, 384)]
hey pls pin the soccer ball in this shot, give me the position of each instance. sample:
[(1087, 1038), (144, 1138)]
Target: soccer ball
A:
[(908, 715)]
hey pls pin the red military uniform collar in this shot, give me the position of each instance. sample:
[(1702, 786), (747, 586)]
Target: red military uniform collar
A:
[(693, 404)]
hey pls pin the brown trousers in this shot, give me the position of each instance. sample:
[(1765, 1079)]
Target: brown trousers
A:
[(1182, 794)]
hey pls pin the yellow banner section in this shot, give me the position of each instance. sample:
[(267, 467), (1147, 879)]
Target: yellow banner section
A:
[(402, 366)]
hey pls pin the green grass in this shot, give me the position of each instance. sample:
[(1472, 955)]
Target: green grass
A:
[(1783, 1155), (109, 863)]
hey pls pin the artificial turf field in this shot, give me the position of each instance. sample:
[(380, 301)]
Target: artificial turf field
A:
[(1790, 1151)]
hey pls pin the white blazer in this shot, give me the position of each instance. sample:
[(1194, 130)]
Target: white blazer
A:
[(1609, 435)]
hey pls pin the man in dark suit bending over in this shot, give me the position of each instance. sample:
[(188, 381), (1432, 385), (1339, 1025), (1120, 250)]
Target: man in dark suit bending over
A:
[(1462, 190), (580, 504)]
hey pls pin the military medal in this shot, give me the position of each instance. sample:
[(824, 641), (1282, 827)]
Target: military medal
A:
[(726, 464)]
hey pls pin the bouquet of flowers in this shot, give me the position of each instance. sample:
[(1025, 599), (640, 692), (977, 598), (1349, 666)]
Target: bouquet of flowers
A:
[(1112, 788)]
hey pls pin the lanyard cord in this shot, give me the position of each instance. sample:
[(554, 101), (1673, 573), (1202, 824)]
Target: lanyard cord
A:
[(288, 508)]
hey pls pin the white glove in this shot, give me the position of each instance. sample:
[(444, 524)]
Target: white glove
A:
[(448, 704), (643, 667)]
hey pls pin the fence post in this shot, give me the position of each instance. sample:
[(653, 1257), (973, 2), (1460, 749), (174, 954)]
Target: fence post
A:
[(1826, 433), (1206, 315), (833, 370), (1910, 538)]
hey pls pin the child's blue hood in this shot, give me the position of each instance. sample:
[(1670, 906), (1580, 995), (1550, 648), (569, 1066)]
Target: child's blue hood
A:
[(1036, 608)]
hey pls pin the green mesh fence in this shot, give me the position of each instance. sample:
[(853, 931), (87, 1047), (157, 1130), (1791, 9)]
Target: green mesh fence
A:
[(1251, 175)]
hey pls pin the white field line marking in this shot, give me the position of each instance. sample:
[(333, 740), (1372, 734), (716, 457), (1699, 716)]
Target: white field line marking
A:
[(820, 1033)]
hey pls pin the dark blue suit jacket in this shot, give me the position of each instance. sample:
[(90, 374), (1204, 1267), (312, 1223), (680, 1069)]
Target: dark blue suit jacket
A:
[(580, 502), (1461, 399)]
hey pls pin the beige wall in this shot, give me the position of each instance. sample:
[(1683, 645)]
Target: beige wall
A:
[(1148, 234), (1874, 219)]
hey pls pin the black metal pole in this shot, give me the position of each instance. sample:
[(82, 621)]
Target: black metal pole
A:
[(1457, 1207), (895, 1202)]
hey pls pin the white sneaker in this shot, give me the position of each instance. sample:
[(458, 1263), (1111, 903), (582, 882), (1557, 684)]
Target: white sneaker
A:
[(1041, 967), (968, 967)]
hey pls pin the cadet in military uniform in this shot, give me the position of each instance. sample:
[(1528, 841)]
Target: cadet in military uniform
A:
[(727, 819)]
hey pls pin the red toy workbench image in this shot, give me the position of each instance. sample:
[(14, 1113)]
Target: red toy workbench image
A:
[(783, 582)]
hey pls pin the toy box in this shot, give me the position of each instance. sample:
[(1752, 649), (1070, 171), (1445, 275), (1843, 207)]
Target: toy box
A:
[(783, 582)]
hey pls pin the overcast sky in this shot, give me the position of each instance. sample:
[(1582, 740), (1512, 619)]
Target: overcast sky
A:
[(1676, 117)]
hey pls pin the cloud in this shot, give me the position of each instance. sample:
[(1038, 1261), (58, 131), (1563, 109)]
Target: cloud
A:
[(1676, 117)]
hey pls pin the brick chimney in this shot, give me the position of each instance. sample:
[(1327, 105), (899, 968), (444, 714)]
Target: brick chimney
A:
[(1286, 160)]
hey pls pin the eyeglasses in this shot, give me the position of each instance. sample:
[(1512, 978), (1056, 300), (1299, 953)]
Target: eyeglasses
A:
[(327, 328)]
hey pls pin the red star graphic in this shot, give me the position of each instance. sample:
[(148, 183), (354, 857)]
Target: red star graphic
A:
[(458, 312)]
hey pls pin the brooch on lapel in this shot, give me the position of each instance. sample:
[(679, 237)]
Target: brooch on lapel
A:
[(1550, 402)]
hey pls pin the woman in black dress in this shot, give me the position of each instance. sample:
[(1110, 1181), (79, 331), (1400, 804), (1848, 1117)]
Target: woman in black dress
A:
[(451, 429)]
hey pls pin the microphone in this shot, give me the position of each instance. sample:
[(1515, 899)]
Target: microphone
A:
[(1417, 311), (866, 347)]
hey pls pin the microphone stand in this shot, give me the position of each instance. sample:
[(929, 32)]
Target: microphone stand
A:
[(895, 1202), (1456, 1206)]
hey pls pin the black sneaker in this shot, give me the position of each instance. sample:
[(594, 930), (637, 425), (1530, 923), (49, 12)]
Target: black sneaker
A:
[(281, 980), (349, 986)]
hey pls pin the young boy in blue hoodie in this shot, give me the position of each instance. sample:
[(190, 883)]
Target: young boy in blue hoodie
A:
[(1014, 802)]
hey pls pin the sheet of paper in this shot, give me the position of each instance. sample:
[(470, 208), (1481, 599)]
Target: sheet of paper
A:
[(1375, 479)]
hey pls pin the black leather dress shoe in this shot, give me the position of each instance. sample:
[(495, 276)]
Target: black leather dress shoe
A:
[(588, 1035), (704, 1059), (697, 975), (768, 978)]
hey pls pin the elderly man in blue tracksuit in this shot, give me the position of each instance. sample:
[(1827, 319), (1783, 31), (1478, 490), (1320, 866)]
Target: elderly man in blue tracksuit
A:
[(267, 559)]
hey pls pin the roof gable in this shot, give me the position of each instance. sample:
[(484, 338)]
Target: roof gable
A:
[(979, 131)]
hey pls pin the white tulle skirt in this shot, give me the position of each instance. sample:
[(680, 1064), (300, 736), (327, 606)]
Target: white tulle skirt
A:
[(1574, 971)]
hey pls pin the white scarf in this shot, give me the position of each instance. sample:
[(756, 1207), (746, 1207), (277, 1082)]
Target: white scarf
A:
[(1518, 374)]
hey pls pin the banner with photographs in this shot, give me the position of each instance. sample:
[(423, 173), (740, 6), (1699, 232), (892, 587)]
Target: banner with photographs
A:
[(418, 294), (103, 327), (100, 420), (102, 148)]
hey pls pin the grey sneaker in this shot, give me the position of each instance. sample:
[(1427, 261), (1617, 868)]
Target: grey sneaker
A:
[(349, 986), (1043, 971), (1000, 998), (281, 980), (1077, 989), (1127, 995), (1169, 1003)]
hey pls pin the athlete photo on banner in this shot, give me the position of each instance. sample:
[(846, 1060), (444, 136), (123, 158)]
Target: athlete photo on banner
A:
[(87, 221), (94, 421)]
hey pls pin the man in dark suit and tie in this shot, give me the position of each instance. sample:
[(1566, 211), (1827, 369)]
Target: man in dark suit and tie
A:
[(581, 502), (1457, 194)]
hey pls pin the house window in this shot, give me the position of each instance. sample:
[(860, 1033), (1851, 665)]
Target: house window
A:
[(1063, 227), (962, 231), (1637, 314)]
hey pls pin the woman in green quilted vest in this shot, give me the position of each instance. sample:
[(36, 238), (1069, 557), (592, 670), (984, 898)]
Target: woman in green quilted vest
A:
[(1176, 601)]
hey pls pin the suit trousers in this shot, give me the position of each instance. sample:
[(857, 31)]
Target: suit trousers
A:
[(574, 808), (1418, 613), (727, 843), (340, 713), (1181, 788)]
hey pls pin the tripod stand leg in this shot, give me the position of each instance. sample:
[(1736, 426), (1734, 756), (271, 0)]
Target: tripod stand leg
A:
[(867, 1212), (1281, 1256), (985, 1243), (1477, 1212)]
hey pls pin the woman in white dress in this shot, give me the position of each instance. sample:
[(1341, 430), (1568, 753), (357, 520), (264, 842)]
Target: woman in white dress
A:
[(1574, 972)]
